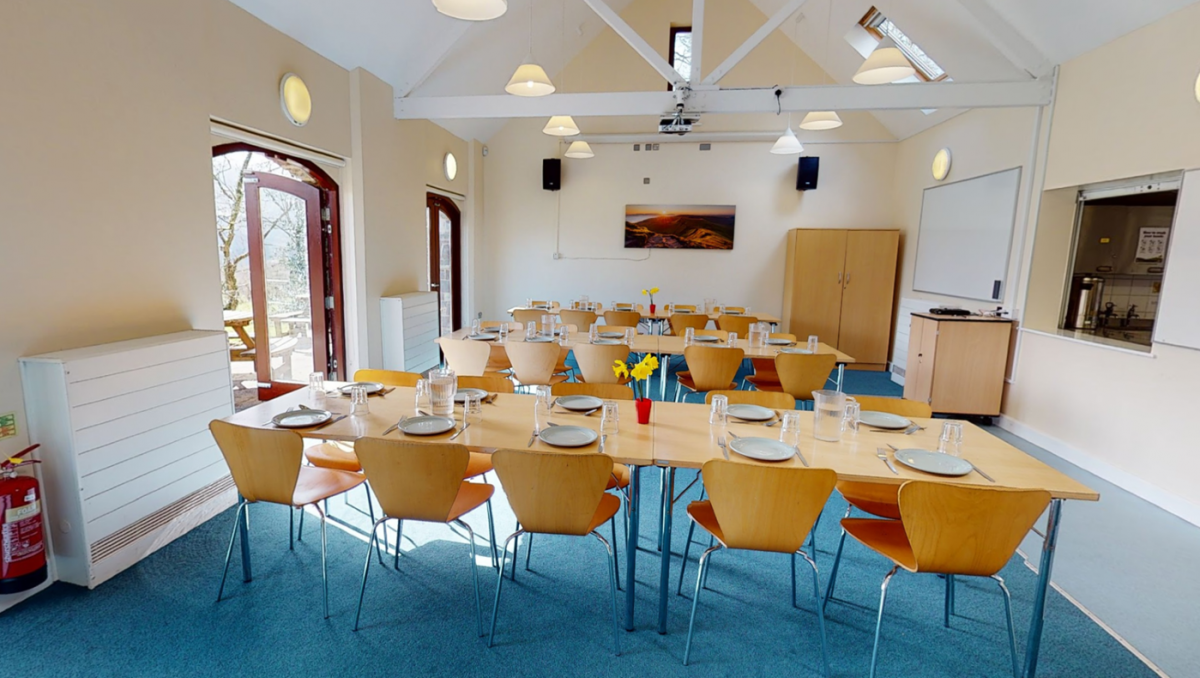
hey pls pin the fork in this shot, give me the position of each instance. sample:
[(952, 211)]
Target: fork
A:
[(724, 450), (882, 454), (396, 425)]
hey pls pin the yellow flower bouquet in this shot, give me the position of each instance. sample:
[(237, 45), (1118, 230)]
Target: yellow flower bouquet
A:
[(638, 373), (650, 293)]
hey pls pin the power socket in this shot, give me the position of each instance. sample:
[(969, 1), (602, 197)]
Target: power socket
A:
[(557, 256)]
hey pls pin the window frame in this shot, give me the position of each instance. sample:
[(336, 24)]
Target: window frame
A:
[(867, 22), (675, 30)]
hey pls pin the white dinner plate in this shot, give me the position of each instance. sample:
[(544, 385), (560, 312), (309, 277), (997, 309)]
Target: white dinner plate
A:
[(613, 335), (426, 425), (934, 462), (732, 312), (373, 387), (607, 342), (540, 340), (780, 342), (797, 351), (705, 339), (762, 449), (579, 403), (482, 336), (461, 395), (883, 420), (567, 436), (301, 418), (750, 412)]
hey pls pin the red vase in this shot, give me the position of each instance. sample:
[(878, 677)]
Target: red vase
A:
[(643, 410), (651, 309)]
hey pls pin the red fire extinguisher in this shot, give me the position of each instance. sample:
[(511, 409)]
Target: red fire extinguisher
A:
[(22, 548)]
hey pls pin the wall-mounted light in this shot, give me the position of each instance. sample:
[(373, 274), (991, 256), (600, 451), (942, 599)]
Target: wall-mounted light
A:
[(1198, 88), (294, 99), (450, 166), (472, 10), (941, 164)]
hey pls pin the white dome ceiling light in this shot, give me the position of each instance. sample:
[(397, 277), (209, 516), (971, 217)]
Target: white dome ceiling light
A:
[(580, 149), (561, 126), (472, 10), (886, 64), (821, 120)]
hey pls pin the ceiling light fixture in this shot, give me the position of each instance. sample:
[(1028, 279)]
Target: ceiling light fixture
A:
[(819, 120), (472, 10), (295, 99), (886, 64), (580, 149), (530, 79), (941, 164), (787, 144), (561, 126)]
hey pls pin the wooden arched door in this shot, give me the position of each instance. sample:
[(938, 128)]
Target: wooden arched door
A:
[(445, 260)]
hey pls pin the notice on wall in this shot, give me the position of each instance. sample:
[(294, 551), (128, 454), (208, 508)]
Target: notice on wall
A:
[(1152, 243)]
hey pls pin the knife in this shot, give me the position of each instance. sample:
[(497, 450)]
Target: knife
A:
[(394, 426), (604, 437), (724, 450), (532, 438), (800, 456), (465, 425), (980, 471)]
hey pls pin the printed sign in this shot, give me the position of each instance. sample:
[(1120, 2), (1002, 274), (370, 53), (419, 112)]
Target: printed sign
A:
[(1152, 243)]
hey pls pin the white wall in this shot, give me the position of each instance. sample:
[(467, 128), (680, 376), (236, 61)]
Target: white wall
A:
[(854, 191)]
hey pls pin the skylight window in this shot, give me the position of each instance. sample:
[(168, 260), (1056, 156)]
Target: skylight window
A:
[(881, 27)]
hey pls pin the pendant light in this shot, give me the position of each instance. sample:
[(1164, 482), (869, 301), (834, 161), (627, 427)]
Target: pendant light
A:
[(823, 120), (561, 126), (886, 64), (787, 144), (472, 10), (580, 149), (530, 79)]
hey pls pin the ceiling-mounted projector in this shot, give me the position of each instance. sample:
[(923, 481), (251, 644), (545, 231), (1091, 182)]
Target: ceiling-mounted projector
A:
[(678, 123)]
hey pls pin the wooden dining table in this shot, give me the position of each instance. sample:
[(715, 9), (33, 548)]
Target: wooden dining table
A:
[(660, 314), (683, 439)]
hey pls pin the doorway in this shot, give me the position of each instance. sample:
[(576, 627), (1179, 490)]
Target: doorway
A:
[(279, 248), (445, 267)]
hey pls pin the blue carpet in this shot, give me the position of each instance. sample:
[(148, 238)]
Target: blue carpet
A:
[(159, 618)]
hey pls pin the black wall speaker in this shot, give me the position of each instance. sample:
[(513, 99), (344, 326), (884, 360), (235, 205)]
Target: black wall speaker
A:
[(806, 177), (551, 174)]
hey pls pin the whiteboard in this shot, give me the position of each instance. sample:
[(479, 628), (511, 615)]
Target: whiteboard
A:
[(1177, 321), (966, 235)]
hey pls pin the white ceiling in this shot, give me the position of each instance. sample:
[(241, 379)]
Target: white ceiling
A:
[(419, 51)]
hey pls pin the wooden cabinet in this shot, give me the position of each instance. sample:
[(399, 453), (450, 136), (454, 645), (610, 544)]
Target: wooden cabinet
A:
[(839, 285), (957, 364)]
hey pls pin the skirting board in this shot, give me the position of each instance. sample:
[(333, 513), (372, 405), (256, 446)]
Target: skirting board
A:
[(1123, 479)]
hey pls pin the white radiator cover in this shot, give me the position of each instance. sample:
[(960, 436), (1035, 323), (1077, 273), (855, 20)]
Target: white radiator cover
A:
[(128, 461), (409, 325)]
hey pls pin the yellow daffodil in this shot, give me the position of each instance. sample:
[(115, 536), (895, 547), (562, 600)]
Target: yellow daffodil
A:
[(620, 369), (651, 361), (642, 371), (645, 291), (653, 290)]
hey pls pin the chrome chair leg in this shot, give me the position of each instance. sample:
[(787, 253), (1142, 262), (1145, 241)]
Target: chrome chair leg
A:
[(300, 532), (687, 649), (371, 545), (516, 551), (946, 601), (474, 577), (528, 550), (687, 545), (291, 528), (237, 518), (794, 580), (812, 534), (616, 563), (492, 533), (879, 621), (500, 583), (1012, 638), (820, 607), (399, 533), (324, 566), (837, 560), (612, 585), (371, 515)]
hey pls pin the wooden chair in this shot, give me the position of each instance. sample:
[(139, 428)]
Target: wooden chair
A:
[(678, 322), (424, 482), (538, 304), (582, 320), (710, 368), (491, 383), (595, 362), (682, 308), (602, 391), (767, 399), (736, 323), (555, 493), (497, 360), (535, 363), (623, 306), (266, 467), (760, 508), (465, 356), (528, 315), (622, 318), (732, 309), (388, 377), (764, 368), (495, 325), (900, 406), (800, 374), (617, 328), (952, 530)]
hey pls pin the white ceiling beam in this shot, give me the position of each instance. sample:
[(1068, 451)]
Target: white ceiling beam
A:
[(795, 99), (758, 36), (697, 40), (432, 59), (636, 41), (1012, 44)]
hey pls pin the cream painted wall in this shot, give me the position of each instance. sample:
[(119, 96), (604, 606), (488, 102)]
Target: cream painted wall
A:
[(520, 234)]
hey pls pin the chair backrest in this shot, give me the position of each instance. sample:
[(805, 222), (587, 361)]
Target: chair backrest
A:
[(623, 318), (528, 315), (617, 328), (534, 303), (800, 374), (683, 308), (900, 406), (580, 319), (533, 362), (551, 492), (736, 323), (492, 383), (413, 481), (679, 322), (733, 309), (265, 463), (958, 529), (495, 325), (388, 377), (595, 361), (713, 368), (602, 391), (782, 335), (622, 306), (466, 357), (766, 508), (497, 358), (770, 399), (723, 335)]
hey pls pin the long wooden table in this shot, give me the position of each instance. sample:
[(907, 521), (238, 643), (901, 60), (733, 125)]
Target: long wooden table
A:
[(660, 314)]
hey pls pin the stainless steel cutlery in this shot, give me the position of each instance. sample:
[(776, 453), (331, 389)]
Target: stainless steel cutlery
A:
[(882, 454), (466, 424), (724, 450)]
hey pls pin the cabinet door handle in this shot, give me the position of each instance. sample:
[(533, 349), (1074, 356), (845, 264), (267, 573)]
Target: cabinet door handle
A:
[(839, 277), (847, 280)]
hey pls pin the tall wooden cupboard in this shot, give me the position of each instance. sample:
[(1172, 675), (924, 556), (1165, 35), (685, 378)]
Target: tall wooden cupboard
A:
[(839, 284), (957, 363)]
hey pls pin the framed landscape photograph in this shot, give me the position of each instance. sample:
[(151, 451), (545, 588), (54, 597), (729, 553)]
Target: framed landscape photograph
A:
[(689, 227)]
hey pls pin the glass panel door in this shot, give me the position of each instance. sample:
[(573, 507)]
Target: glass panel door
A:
[(444, 273)]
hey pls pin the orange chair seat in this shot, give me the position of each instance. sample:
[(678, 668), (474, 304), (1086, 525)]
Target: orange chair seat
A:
[(619, 477), (877, 499), (885, 536), (766, 382), (685, 378), (470, 496), (478, 464), (609, 505), (333, 455), (314, 484), (702, 512)]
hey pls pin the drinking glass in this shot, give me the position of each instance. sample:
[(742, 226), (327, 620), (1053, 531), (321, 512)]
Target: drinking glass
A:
[(503, 332), (829, 408), (812, 343), (443, 385), (531, 330), (732, 341), (316, 383), (851, 418), (593, 333), (476, 326), (542, 403), (710, 305), (746, 310), (583, 298), (789, 432), (529, 302), (689, 336), (564, 334), (609, 417), (670, 309), (424, 402), (630, 335), (548, 325), (719, 415), (951, 440), (473, 409), (358, 401), (757, 338)]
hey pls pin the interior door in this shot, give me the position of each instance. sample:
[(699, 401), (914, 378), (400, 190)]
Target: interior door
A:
[(445, 272), (867, 290), (288, 282), (922, 344), (817, 296)]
